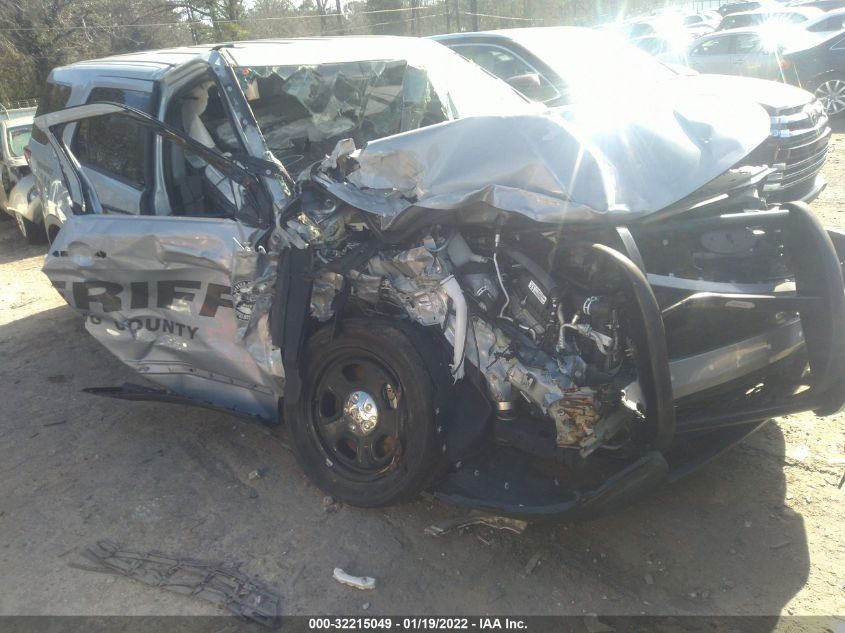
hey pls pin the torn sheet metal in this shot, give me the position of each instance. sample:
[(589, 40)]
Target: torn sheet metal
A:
[(220, 583), (581, 165), (189, 319), (476, 518)]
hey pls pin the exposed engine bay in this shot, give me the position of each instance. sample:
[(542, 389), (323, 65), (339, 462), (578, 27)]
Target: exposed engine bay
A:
[(538, 320), (557, 354)]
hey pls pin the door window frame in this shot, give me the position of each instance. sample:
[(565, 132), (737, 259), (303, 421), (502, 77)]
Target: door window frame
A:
[(83, 194), (509, 51)]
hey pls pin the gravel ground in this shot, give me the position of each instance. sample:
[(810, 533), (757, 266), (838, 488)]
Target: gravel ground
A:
[(759, 531)]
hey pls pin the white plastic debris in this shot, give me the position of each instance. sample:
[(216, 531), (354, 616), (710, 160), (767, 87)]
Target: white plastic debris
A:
[(255, 474), (359, 582)]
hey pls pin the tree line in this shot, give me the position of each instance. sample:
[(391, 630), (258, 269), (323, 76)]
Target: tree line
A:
[(38, 35)]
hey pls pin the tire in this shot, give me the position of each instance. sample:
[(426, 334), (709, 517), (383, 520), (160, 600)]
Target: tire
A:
[(364, 427), (831, 92), (51, 233), (34, 233)]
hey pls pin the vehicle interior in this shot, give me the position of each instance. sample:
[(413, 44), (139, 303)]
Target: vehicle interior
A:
[(303, 111), (194, 187)]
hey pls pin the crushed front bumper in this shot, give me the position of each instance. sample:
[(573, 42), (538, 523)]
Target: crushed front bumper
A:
[(504, 480)]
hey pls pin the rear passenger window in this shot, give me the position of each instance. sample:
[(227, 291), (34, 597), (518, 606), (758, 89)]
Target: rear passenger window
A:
[(115, 144), (716, 46), (506, 65), (53, 98), (746, 43)]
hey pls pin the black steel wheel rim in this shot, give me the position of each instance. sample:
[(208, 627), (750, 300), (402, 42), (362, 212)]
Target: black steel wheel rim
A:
[(362, 444)]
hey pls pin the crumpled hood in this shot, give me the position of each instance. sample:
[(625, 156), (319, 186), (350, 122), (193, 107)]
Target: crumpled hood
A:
[(584, 163)]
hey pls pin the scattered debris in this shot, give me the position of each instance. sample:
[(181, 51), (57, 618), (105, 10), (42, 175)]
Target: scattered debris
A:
[(359, 582), (781, 544), (649, 579), (330, 504), (255, 474), (476, 518), (220, 583), (365, 606), (55, 423), (748, 524), (533, 562)]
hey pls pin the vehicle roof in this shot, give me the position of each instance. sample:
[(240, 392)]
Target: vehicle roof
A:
[(808, 11), (516, 34), (154, 64), (824, 15)]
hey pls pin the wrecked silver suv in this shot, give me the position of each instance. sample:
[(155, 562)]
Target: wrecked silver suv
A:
[(539, 314)]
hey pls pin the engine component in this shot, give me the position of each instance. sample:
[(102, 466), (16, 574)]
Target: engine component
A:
[(533, 294), (431, 283), (480, 285), (453, 289), (531, 306)]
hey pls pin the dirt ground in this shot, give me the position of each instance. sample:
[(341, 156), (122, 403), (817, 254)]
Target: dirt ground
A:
[(759, 531)]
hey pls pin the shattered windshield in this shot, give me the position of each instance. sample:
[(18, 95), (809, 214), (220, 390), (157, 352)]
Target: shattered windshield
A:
[(303, 110)]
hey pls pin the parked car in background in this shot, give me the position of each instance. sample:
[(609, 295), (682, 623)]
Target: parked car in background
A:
[(708, 19), (539, 314), (824, 5), (754, 52), (814, 61), (568, 65), (668, 51), (829, 22), (15, 130), (670, 26), (24, 205), (762, 17), (739, 7), (819, 66)]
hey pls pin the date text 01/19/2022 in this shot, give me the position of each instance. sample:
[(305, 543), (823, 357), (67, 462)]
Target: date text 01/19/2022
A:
[(417, 623)]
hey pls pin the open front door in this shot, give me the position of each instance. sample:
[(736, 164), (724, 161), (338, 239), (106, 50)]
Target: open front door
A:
[(172, 295)]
